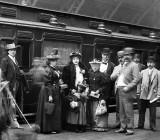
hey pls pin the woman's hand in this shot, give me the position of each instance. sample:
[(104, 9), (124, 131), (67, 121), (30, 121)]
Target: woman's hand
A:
[(50, 98), (83, 71)]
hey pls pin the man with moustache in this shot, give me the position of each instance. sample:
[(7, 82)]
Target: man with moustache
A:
[(127, 86), (150, 90), (114, 77)]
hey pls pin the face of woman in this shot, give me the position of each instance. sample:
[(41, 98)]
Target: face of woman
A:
[(95, 67), (75, 60), (53, 63)]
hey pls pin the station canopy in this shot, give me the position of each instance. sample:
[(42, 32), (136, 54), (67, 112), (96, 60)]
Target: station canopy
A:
[(136, 12)]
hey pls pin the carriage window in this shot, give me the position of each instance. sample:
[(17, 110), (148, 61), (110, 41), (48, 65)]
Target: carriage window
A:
[(64, 48)]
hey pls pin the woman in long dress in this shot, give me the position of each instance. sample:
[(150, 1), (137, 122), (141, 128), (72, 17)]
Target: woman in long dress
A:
[(50, 92), (97, 84), (74, 74)]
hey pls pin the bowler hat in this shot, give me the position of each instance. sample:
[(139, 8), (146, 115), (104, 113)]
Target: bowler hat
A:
[(151, 59), (75, 53), (106, 51), (128, 50), (120, 53), (11, 46), (54, 55)]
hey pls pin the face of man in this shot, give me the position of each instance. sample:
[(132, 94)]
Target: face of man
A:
[(150, 65), (121, 60), (127, 57), (75, 60), (136, 60), (105, 57), (12, 52)]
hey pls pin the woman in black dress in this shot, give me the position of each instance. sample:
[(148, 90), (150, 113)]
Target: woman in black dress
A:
[(50, 92)]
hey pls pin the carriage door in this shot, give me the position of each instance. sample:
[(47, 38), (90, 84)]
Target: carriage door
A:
[(23, 55)]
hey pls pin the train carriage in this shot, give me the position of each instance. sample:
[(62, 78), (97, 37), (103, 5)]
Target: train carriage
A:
[(37, 31)]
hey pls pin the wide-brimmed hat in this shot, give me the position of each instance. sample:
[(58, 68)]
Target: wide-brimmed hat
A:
[(11, 46), (54, 55), (106, 51), (151, 59), (120, 53), (75, 53), (128, 50), (95, 62)]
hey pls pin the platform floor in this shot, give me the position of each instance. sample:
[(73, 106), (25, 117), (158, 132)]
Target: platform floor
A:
[(145, 134)]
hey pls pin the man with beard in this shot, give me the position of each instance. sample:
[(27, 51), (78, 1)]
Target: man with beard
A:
[(150, 92), (127, 86), (114, 77)]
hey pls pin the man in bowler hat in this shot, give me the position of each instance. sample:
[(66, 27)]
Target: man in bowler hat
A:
[(11, 73), (107, 68), (149, 93), (126, 87), (114, 77)]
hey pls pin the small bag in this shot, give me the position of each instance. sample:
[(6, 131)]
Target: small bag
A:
[(101, 108), (49, 108)]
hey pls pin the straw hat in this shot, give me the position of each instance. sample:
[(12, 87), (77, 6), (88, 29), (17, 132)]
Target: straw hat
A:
[(95, 63), (11, 46), (151, 59)]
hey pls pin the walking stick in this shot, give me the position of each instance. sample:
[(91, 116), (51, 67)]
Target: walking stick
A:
[(5, 85)]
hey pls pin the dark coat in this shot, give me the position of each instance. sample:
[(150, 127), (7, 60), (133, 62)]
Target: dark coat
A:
[(10, 72), (110, 88), (51, 122), (141, 67), (99, 81), (69, 74)]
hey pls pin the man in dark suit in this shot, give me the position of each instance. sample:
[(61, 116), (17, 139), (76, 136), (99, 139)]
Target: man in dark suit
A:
[(10, 72), (127, 86), (107, 68)]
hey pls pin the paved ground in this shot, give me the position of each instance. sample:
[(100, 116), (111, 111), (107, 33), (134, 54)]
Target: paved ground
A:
[(145, 134)]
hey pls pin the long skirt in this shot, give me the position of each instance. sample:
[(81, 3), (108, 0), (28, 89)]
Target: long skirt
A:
[(78, 117), (98, 122), (47, 122)]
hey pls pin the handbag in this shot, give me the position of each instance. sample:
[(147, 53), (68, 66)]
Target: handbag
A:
[(49, 108), (101, 108)]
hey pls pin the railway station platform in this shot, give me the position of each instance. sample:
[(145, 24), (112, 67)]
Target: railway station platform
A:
[(145, 134)]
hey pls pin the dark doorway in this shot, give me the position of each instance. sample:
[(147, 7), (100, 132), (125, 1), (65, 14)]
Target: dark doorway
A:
[(23, 55)]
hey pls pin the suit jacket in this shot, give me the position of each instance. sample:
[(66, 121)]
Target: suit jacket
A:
[(114, 75), (131, 78), (149, 90), (9, 71), (108, 72)]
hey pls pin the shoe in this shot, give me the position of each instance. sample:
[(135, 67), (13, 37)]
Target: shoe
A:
[(121, 130), (129, 132), (153, 129), (138, 127), (116, 126)]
